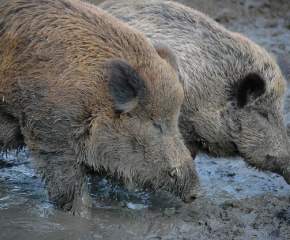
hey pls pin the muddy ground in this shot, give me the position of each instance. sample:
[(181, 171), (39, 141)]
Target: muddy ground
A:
[(241, 202)]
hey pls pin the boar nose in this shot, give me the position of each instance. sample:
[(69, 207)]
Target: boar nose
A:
[(198, 192), (174, 173), (286, 175)]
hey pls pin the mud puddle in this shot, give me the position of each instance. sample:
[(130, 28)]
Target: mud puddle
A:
[(235, 200), (241, 202)]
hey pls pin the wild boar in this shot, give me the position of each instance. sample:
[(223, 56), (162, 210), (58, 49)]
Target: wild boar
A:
[(233, 88), (82, 91)]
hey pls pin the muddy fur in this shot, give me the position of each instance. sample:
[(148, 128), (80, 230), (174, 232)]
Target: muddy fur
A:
[(84, 91), (233, 88)]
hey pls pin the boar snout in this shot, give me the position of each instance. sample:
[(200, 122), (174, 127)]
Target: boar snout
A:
[(286, 175), (198, 192), (185, 180), (280, 165), (187, 183)]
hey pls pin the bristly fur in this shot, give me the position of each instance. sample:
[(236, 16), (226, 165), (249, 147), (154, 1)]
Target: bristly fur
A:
[(233, 88), (74, 111), (121, 163), (167, 54)]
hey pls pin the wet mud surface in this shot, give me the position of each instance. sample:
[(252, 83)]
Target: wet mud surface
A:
[(241, 202)]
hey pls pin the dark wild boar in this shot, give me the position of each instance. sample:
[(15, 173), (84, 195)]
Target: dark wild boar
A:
[(233, 88), (84, 91)]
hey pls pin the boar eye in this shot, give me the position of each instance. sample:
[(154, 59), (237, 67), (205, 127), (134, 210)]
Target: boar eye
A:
[(264, 115), (157, 125)]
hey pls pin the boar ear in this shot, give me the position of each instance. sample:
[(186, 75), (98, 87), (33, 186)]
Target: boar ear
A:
[(167, 54), (249, 88), (126, 88)]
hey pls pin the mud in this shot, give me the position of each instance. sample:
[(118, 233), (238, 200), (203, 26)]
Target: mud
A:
[(241, 202)]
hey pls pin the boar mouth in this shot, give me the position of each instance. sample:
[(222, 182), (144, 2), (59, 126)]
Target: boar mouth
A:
[(182, 182), (193, 195), (279, 166), (271, 163)]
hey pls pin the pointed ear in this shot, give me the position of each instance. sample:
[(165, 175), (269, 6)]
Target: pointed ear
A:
[(249, 88), (126, 88), (167, 54)]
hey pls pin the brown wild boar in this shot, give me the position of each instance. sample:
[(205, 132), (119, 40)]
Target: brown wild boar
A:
[(84, 91), (233, 88)]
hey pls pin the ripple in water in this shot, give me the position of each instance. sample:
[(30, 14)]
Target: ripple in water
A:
[(109, 194), (20, 185)]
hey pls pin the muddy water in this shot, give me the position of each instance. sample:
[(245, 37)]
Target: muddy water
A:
[(117, 212), (241, 202)]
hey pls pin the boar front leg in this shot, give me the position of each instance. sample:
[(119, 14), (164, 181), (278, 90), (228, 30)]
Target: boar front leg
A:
[(66, 184)]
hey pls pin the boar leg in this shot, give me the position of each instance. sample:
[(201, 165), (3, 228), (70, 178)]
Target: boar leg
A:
[(66, 184), (10, 134)]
